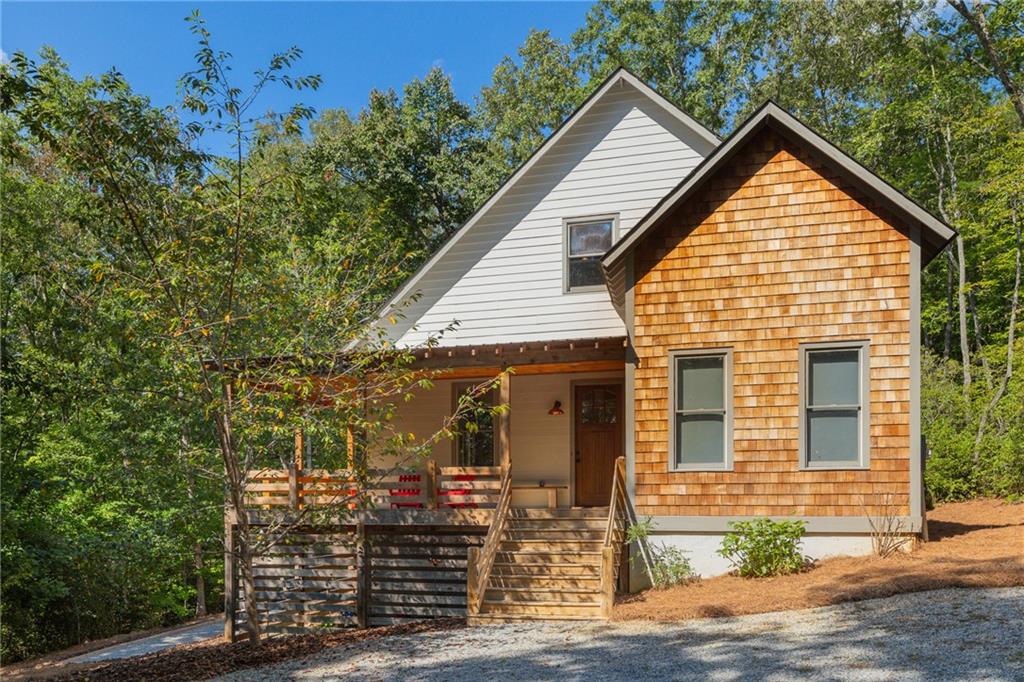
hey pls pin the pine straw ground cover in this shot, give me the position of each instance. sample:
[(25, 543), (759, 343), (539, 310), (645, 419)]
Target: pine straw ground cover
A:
[(973, 544)]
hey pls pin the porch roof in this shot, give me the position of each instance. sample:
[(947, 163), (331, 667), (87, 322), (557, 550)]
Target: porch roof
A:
[(527, 357)]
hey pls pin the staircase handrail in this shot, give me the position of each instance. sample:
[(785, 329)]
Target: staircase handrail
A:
[(489, 549), (621, 506)]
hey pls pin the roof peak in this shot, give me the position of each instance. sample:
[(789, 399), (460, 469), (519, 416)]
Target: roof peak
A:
[(935, 232)]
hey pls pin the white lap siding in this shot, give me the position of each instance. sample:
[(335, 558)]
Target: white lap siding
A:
[(503, 279)]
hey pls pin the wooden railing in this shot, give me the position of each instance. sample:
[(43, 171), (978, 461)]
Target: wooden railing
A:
[(619, 517), (480, 561), (429, 487)]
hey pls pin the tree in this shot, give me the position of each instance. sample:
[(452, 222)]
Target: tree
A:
[(524, 103), (263, 322), (97, 526), (997, 29), (412, 157)]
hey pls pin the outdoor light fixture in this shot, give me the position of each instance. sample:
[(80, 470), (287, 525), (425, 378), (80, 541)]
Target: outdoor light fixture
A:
[(556, 409)]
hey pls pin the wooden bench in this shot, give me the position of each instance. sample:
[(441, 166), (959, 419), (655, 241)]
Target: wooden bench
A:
[(552, 491)]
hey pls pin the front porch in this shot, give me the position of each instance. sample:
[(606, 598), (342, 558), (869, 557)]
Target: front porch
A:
[(535, 532), (566, 420)]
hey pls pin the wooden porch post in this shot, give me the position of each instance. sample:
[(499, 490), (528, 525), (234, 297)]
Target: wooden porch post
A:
[(350, 438), (300, 450), (362, 577), (504, 420), (430, 485), (294, 471), (472, 557)]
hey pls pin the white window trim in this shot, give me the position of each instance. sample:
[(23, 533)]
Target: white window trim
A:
[(566, 222), (727, 393), (863, 346)]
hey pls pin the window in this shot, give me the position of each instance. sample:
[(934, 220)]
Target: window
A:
[(834, 399), (700, 419), (586, 241), (474, 442), (599, 406)]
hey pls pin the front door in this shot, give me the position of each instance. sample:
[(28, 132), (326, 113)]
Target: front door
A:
[(598, 437)]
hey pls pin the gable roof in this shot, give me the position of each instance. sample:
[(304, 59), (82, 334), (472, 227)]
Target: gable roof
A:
[(619, 76), (935, 233)]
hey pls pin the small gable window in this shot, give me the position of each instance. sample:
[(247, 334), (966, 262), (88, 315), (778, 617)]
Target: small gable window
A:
[(587, 240), (700, 419), (834, 401)]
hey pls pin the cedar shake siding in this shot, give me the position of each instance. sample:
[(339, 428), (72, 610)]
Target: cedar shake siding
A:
[(774, 251)]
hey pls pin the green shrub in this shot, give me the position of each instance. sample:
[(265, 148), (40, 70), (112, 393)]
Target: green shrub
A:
[(666, 565), (764, 547)]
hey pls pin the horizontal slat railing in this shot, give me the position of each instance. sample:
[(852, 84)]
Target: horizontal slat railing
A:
[(474, 487), (429, 487)]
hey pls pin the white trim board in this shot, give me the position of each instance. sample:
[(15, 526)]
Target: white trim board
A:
[(815, 524)]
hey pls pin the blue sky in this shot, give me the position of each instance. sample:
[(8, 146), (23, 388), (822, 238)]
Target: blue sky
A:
[(354, 46)]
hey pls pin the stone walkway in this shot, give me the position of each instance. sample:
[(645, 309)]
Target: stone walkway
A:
[(939, 635)]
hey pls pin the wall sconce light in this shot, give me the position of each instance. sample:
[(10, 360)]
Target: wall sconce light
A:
[(556, 409)]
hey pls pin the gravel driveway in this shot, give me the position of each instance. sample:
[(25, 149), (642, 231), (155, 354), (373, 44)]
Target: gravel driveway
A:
[(940, 635)]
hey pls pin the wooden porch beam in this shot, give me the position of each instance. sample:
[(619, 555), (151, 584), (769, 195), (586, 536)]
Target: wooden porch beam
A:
[(504, 420), (522, 355), (526, 370)]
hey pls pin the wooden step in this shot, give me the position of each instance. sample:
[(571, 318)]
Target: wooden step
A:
[(559, 523), (552, 568), (554, 534), (580, 513), (591, 582), (542, 609), (541, 557), (552, 546), (532, 595)]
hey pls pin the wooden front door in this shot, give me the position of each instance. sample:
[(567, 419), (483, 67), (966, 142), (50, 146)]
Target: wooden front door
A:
[(597, 421)]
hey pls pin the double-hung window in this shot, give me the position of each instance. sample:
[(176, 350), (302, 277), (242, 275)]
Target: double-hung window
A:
[(587, 240), (700, 410), (475, 444), (834, 405)]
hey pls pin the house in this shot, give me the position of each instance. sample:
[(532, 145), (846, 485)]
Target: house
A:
[(766, 288), (698, 330)]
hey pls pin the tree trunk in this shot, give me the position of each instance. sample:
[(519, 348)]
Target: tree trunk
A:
[(961, 302), (1010, 335), (197, 565), (975, 18), (252, 615), (944, 172), (236, 492), (947, 332), (972, 307)]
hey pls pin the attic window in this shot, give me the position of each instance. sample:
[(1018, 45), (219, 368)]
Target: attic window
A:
[(587, 240)]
